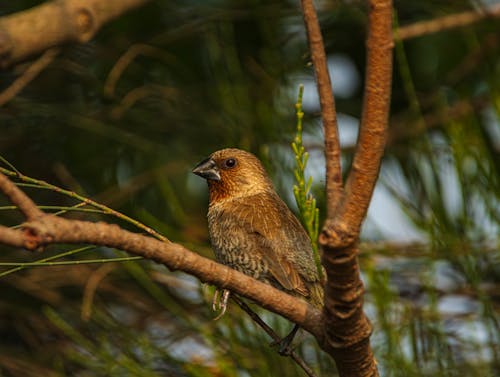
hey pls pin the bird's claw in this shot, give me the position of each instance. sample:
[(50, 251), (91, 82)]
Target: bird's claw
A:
[(220, 304), (215, 300)]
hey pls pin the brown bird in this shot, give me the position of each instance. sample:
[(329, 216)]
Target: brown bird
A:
[(253, 231)]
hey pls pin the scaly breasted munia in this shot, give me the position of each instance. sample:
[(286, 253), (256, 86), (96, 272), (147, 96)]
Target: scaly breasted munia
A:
[(253, 231)]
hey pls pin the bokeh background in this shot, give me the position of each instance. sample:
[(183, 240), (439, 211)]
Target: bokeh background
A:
[(124, 118)]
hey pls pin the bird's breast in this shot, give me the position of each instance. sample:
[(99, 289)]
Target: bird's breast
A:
[(233, 246)]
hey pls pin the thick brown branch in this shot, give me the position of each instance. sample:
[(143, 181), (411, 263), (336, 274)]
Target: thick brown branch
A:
[(47, 229), (372, 135), (327, 102), (347, 328), (55, 23), (19, 198)]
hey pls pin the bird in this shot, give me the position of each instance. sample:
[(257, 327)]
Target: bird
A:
[(253, 231)]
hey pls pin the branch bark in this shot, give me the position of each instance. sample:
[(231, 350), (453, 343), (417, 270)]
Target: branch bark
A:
[(334, 189), (347, 328), (55, 23), (42, 229), (27, 207), (374, 120)]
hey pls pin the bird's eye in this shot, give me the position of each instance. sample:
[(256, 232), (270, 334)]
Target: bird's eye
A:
[(230, 163)]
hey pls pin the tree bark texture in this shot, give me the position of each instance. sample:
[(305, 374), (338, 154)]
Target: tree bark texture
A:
[(327, 103), (347, 329), (55, 23)]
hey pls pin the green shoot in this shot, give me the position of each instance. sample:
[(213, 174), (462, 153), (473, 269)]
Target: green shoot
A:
[(308, 212)]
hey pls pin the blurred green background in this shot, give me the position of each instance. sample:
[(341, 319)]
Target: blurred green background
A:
[(124, 118)]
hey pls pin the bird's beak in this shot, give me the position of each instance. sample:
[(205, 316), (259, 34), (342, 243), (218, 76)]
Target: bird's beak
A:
[(207, 169)]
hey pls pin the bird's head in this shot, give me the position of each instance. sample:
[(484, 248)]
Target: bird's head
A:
[(233, 173)]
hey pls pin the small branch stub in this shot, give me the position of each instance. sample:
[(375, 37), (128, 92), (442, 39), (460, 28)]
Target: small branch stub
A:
[(85, 22)]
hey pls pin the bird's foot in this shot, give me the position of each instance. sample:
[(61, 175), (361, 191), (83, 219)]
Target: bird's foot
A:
[(285, 345), (220, 303)]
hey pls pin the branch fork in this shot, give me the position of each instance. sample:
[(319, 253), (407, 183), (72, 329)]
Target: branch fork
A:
[(342, 328)]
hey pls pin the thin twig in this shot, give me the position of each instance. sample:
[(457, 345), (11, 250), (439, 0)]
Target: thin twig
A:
[(334, 189), (28, 75), (127, 58), (70, 262), (60, 255), (91, 287), (276, 338), (447, 22), (140, 93), (105, 209)]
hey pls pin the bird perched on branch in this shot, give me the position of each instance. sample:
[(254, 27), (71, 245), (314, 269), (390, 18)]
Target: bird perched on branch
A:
[(253, 231)]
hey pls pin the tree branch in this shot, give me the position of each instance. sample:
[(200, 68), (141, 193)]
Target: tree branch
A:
[(445, 23), (19, 198), (373, 130), (334, 189), (347, 328), (42, 229), (342, 329), (269, 331), (55, 23), (28, 75)]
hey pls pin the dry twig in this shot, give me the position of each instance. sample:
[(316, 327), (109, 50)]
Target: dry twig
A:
[(446, 23), (269, 331), (28, 75)]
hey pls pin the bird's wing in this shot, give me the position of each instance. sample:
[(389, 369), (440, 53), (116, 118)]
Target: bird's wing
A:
[(273, 227), (286, 275)]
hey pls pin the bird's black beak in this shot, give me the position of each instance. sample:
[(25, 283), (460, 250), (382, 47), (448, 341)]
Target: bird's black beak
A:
[(207, 169)]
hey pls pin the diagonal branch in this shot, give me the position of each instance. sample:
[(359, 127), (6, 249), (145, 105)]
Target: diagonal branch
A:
[(327, 102), (448, 22), (42, 229), (29, 75), (19, 198), (276, 338)]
